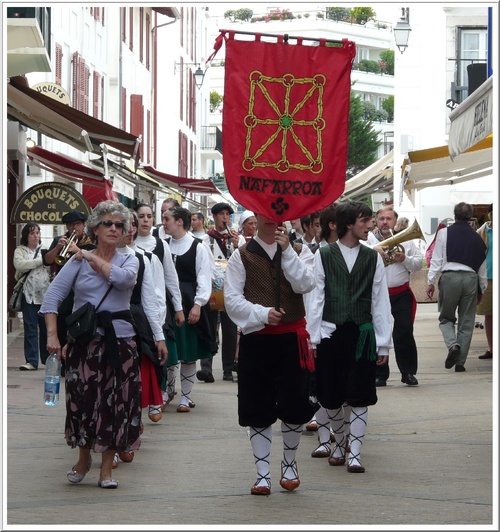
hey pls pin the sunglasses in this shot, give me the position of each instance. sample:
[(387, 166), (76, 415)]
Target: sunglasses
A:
[(109, 223)]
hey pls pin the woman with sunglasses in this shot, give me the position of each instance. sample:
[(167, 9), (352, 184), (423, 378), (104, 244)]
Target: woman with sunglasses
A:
[(103, 385)]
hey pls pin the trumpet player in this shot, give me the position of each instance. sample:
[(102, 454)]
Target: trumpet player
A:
[(400, 264), (60, 250)]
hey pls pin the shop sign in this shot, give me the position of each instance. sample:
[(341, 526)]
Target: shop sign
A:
[(47, 203), (54, 91)]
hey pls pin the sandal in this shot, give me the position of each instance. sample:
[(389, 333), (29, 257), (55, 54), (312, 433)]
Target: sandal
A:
[(155, 413)]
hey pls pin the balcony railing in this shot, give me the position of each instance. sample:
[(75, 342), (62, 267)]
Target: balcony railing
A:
[(211, 138)]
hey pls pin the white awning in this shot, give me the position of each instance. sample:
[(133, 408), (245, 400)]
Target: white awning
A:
[(472, 120), (433, 167), (377, 177)]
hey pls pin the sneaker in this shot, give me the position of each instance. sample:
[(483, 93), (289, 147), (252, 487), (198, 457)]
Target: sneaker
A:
[(27, 367), (204, 376)]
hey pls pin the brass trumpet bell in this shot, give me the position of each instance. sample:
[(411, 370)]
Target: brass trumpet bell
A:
[(394, 242), (62, 258)]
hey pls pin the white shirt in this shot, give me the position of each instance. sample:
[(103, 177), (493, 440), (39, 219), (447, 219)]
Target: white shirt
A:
[(150, 304), (252, 317), (203, 266), (439, 262), (399, 273), (171, 280), (380, 306)]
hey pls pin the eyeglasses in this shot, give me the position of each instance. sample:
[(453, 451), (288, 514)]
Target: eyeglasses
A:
[(109, 223)]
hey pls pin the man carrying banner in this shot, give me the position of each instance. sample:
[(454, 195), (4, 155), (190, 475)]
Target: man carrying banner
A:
[(274, 356)]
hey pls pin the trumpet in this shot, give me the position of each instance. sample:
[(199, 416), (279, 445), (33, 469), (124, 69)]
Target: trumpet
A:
[(64, 255), (393, 243)]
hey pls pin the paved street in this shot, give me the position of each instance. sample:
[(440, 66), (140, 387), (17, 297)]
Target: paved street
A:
[(427, 453)]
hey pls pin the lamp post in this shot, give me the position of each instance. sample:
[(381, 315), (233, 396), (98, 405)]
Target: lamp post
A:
[(199, 74), (402, 30)]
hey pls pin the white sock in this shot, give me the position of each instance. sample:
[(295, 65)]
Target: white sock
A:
[(359, 420), (260, 439), (291, 438), (336, 417), (188, 372), (172, 372), (323, 429)]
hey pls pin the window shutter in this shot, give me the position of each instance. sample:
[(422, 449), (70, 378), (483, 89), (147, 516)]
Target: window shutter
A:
[(124, 109), (141, 34), (136, 115), (84, 86), (148, 39), (181, 102), (148, 139), (191, 159), (183, 144), (102, 97), (124, 22), (59, 56), (131, 29), (76, 79), (95, 95)]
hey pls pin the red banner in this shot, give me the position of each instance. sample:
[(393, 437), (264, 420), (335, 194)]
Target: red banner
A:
[(285, 123)]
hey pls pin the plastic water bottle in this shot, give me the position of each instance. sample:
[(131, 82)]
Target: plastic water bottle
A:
[(52, 380)]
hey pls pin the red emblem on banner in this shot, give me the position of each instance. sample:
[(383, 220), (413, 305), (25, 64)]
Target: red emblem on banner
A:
[(285, 124)]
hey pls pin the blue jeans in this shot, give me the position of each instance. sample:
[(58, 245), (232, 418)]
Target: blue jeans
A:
[(35, 333)]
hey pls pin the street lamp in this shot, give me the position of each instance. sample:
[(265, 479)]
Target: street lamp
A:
[(402, 30), (199, 74)]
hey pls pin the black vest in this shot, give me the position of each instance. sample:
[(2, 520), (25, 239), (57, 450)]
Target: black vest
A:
[(465, 246)]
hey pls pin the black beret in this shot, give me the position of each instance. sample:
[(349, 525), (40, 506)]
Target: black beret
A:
[(221, 206), (74, 216)]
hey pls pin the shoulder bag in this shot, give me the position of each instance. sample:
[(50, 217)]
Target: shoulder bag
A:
[(82, 324), (17, 292)]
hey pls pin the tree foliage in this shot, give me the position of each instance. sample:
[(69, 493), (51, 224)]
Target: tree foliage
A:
[(361, 15), (387, 57), (363, 139), (338, 14), (388, 106), (215, 101), (244, 14)]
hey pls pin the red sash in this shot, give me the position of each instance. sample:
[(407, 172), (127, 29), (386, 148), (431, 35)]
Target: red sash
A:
[(303, 338), (398, 289)]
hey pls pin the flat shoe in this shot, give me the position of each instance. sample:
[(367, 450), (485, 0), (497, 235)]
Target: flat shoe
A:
[(486, 355), (108, 484), (183, 408), (261, 490), (312, 426), (355, 469), (155, 413), (321, 453), (333, 461), (74, 477), (289, 484), (126, 456)]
